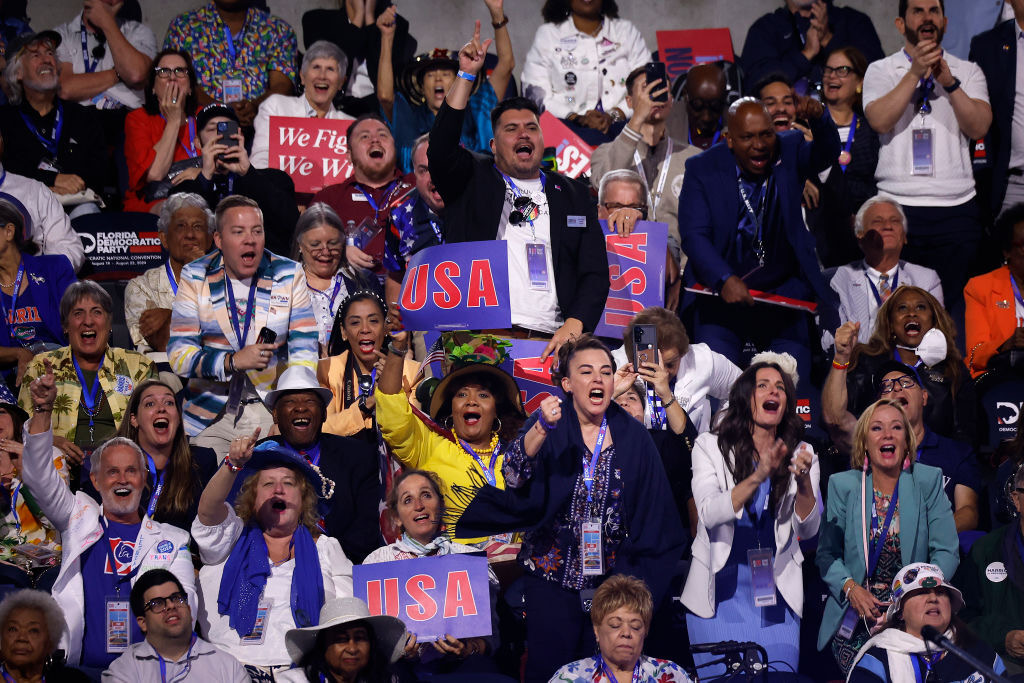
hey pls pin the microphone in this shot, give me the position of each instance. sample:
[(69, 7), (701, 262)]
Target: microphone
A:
[(933, 635), (722, 648)]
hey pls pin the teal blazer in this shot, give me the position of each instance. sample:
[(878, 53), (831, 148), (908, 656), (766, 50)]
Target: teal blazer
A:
[(927, 534)]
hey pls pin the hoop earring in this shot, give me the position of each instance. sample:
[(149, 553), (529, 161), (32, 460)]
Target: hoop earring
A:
[(449, 423), (498, 428)]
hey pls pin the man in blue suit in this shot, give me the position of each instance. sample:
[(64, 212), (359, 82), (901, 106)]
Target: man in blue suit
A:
[(741, 226)]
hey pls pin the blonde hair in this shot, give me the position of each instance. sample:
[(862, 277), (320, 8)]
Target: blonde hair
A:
[(618, 591), (860, 432), (245, 503)]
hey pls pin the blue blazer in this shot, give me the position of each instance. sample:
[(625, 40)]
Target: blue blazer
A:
[(48, 277), (709, 204), (927, 534), (995, 51)]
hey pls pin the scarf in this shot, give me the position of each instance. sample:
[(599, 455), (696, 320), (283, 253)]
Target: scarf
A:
[(245, 577), (899, 647), (439, 546)]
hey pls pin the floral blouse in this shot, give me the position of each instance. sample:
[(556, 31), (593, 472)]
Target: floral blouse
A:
[(587, 671)]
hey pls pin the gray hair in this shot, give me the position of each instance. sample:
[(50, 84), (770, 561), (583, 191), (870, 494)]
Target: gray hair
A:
[(324, 49), (184, 200), (79, 290), (13, 74), (97, 455), (621, 175), (28, 598), (419, 142), (314, 216), (858, 221)]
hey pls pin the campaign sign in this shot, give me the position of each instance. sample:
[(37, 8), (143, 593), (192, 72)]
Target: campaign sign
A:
[(636, 268), (313, 152), (462, 286), (121, 248), (531, 373), (434, 596), (571, 152), (681, 50)]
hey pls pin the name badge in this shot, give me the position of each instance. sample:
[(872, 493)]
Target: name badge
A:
[(577, 221), (118, 612), (922, 147), (359, 197), (849, 623), (537, 265), (232, 90), (762, 576), (48, 165), (259, 627), (591, 549)]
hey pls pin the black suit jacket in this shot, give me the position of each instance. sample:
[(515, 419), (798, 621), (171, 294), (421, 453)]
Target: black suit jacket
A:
[(474, 197), (995, 51), (353, 516)]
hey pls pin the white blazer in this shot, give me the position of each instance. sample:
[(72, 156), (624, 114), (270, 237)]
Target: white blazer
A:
[(702, 373), (712, 492), (77, 517), (281, 105)]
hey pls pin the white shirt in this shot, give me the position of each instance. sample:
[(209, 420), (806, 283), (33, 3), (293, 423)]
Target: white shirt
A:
[(70, 52), (533, 309), (598, 64), (51, 228), (1017, 124), (215, 544), (281, 105), (952, 181), (325, 306)]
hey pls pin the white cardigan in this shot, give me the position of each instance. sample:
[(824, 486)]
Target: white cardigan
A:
[(712, 492)]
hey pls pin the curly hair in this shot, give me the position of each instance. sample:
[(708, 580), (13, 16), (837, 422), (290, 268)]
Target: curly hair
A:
[(557, 11), (859, 450), (45, 604), (245, 503), (736, 430)]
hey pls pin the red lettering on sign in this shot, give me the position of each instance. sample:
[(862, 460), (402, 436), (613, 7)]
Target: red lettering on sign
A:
[(533, 369), (459, 596), (633, 247), (620, 311), (534, 403), (382, 602), (425, 607), (481, 285), (414, 293), (449, 296), (635, 279)]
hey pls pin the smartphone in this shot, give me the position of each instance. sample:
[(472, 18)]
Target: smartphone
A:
[(227, 131), (266, 336), (645, 345), (655, 71)]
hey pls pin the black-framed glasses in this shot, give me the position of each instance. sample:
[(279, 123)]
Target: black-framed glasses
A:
[(522, 206), (615, 206), (164, 72), (887, 386), (841, 71), (159, 605)]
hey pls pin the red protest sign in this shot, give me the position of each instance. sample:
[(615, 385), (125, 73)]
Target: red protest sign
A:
[(681, 50), (572, 153), (313, 152)]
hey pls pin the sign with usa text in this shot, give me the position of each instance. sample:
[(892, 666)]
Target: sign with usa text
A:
[(532, 374), (434, 596), (636, 269), (461, 286), (313, 152)]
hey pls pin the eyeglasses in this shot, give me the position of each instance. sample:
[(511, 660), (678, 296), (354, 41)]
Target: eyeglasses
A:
[(701, 105), (841, 71), (887, 386), (330, 247), (164, 72), (614, 206), (159, 605)]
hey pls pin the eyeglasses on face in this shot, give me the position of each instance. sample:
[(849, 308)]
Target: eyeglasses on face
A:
[(841, 71), (159, 605), (164, 72), (887, 386)]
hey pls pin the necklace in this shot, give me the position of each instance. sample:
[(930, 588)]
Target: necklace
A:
[(490, 448), (7, 285)]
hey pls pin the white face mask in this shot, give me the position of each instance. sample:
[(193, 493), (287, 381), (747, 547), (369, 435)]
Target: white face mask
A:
[(932, 349)]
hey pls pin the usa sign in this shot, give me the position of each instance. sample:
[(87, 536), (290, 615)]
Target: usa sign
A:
[(636, 269), (434, 596), (313, 152), (461, 286), (572, 154), (532, 375)]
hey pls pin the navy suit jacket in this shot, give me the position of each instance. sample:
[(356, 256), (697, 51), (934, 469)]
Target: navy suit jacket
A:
[(709, 204), (995, 51)]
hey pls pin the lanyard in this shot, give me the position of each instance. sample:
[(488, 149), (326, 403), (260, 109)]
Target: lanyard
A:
[(515, 188), (1020, 542), (58, 125), (158, 484), (488, 469), (892, 287), (876, 551), (190, 149), (689, 136), (9, 316), (184, 672), (588, 467), (371, 200), (659, 418), (758, 218), (1013, 283), (10, 679), (170, 276), (929, 662), (656, 197), (14, 508), (90, 66), (118, 578), (310, 454), (230, 40), (764, 518), (849, 143), (241, 333), (600, 664), (925, 85), (333, 296), (90, 397)]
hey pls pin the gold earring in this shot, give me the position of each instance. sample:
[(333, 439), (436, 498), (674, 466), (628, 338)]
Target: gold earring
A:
[(860, 89)]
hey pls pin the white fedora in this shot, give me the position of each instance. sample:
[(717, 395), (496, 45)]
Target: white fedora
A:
[(298, 378), (389, 632)]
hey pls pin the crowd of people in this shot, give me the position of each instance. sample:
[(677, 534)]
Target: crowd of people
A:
[(789, 467)]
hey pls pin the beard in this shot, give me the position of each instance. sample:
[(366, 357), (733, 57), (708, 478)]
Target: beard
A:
[(45, 84), (121, 506)]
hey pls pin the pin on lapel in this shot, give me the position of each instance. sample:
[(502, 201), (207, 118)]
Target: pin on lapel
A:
[(1003, 304)]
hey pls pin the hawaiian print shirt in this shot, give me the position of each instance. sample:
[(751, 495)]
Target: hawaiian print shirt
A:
[(651, 670)]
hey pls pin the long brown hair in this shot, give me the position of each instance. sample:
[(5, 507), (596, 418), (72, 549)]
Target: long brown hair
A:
[(181, 479)]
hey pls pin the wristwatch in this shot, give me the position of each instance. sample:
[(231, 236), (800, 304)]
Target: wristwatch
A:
[(953, 87)]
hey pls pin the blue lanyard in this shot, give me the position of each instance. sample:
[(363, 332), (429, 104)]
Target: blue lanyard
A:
[(14, 508), (310, 455), (763, 519), (90, 66), (876, 551), (118, 578), (333, 296), (849, 141), (892, 287), (89, 396), (241, 333), (488, 469), (49, 143), (515, 188), (928, 662), (10, 679), (371, 200), (757, 217), (718, 134), (190, 149), (9, 316), (184, 672), (588, 467), (170, 276), (230, 39), (659, 418), (1016, 291), (158, 484), (599, 661), (925, 85)]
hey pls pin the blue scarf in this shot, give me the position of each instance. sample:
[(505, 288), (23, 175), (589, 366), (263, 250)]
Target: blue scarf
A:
[(245, 577)]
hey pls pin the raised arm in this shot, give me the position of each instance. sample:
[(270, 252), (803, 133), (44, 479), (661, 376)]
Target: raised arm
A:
[(502, 72), (834, 399), (886, 101), (40, 476), (211, 503), (385, 72)]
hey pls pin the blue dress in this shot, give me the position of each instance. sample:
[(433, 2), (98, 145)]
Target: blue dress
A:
[(776, 628)]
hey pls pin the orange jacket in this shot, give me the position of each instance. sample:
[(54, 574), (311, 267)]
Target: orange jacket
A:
[(991, 317)]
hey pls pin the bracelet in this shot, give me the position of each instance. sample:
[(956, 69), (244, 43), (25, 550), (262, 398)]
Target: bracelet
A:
[(42, 409), (840, 366), (232, 466), (466, 76), (617, 115), (503, 22), (665, 406), (548, 426), (846, 591), (231, 362), (954, 87), (397, 351)]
